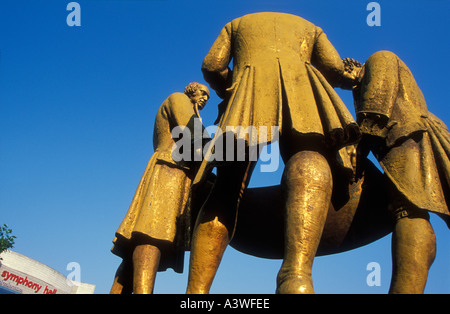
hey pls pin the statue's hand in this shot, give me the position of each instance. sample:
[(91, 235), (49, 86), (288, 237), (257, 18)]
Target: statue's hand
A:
[(350, 76)]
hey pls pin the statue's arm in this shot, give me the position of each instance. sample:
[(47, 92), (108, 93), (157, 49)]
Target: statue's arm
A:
[(215, 65), (379, 85), (378, 92), (327, 60)]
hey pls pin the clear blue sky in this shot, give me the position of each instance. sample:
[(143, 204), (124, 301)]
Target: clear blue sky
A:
[(77, 106)]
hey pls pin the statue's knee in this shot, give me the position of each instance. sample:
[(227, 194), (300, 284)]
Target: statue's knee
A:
[(307, 165)]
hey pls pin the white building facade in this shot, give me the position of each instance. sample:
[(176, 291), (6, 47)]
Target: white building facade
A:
[(20, 274)]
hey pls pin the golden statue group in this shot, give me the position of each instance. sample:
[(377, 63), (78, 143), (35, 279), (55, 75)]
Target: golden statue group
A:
[(331, 197)]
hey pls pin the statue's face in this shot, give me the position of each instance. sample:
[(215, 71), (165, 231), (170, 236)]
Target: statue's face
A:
[(200, 97)]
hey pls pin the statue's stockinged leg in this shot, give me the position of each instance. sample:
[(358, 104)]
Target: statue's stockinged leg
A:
[(413, 252), (307, 183), (208, 246), (122, 279), (145, 266), (215, 225)]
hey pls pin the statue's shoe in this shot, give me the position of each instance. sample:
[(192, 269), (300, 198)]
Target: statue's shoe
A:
[(294, 283)]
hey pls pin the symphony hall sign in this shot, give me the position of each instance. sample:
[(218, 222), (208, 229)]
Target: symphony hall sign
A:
[(23, 275)]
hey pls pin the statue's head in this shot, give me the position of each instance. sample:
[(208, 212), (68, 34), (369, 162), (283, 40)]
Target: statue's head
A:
[(198, 94)]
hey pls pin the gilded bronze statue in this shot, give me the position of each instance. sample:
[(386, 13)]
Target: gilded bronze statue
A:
[(273, 83), (152, 236), (276, 74), (411, 145), (413, 148)]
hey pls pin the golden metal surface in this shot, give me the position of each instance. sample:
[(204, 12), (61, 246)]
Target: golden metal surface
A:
[(279, 70), (272, 83), (153, 233), (413, 148)]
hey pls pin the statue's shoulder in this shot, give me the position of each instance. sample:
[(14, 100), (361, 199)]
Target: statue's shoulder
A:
[(176, 99), (383, 56), (177, 96), (273, 16)]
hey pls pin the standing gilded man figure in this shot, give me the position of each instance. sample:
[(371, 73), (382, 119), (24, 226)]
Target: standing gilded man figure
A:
[(153, 236), (273, 83), (413, 148)]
